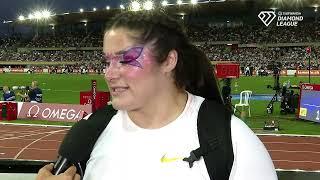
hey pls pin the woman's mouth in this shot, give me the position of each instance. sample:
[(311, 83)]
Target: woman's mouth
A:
[(118, 90)]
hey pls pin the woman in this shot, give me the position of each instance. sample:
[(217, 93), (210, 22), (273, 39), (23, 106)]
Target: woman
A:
[(158, 80)]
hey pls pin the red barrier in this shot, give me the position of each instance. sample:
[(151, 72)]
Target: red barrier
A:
[(8, 111), (101, 99), (53, 112), (97, 99), (1, 111)]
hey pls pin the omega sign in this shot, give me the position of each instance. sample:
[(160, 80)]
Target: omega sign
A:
[(54, 112)]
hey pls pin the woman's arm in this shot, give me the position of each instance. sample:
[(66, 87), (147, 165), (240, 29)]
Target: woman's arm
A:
[(251, 159)]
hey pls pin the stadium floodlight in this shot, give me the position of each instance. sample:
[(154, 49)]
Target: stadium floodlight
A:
[(179, 2), (121, 6), (315, 7), (94, 9), (21, 18), (108, 7), (37, 15), (81, 10), (135, 6), (148, 5), (31, 16), (45, 14), (194, 2), (6, 22), (164, 3)]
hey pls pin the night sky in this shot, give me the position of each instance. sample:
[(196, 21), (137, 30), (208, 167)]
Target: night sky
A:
[(11, 9)]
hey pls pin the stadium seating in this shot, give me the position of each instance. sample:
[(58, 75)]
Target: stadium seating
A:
[(87, 48)]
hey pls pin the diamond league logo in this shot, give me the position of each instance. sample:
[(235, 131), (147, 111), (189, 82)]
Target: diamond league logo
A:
[(267, 17)]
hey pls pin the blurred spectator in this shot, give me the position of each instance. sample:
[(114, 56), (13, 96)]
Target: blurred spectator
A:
[(34, 94), (204, 36), (8, 95)]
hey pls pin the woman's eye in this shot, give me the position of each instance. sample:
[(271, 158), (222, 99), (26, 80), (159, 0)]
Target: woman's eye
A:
[(125, 61), (131, 63)]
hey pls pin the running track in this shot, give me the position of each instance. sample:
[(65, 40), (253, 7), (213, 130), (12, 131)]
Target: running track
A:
[(26, 142)]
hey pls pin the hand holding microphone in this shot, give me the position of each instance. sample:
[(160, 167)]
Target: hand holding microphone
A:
[(75, 148), (45, 174)]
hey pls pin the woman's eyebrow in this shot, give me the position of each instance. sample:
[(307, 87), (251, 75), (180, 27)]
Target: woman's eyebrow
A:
[(112, 54), (108, 55), (120, 52)]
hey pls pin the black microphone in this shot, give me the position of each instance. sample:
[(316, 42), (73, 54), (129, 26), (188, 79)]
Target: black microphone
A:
[(78, 144), (61, 165)]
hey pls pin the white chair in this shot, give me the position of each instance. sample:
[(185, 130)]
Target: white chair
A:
[(244, 100)]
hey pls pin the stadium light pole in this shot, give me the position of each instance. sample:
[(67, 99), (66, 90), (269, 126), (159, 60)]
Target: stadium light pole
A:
[(37, 16), (8, 26), (316, 12), (53, 29), (309, 57), (309, 69), (85, 21)]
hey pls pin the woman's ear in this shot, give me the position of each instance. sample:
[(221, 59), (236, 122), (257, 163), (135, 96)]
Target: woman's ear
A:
[(171, 61)]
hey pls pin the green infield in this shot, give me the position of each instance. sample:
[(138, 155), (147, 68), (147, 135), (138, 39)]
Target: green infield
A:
[(288, 124), (57, 88), (65, 88), (258, 85)]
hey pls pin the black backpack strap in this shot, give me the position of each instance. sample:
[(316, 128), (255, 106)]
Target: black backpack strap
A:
[(99, 120), (214, 131)]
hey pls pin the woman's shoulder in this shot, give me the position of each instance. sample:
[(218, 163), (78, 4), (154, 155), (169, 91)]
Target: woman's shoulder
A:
[(241, 134), (252, 160), (238, 124), (240, 127)]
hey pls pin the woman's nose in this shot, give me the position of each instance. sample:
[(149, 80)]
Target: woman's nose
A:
[(112, 70)]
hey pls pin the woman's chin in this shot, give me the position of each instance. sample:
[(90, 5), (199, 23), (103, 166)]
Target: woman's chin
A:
[(119, 104)]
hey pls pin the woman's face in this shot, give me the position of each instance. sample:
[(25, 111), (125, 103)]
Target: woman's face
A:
[(132, 74)]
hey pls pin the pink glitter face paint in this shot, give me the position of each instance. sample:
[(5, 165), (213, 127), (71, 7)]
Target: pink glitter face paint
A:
[(129, 56)]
